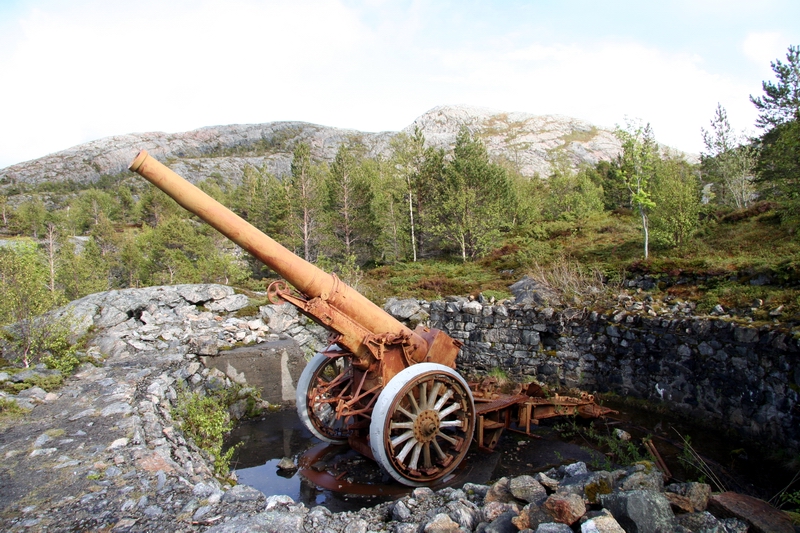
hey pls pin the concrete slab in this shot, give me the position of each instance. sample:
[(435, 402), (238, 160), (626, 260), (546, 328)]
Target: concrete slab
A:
[(272, 367)]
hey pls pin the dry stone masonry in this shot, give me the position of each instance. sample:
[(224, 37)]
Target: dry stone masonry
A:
[(739, 375)]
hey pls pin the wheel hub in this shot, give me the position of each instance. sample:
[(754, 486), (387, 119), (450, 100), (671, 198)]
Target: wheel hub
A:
[(426, 426)]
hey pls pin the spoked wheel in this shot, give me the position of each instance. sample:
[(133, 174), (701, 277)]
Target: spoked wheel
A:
[(321, 385), (422, 424)]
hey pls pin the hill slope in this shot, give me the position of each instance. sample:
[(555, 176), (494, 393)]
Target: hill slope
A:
[(528, 141)]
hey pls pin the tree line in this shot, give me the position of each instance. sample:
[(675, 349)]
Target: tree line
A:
[(419, 202)]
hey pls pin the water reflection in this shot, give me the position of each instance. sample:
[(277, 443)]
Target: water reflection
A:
[(342, 479), (281, 434)]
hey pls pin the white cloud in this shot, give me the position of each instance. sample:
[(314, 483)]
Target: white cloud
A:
[(109, 71), (762, 48), (601, 83), (81, 70)]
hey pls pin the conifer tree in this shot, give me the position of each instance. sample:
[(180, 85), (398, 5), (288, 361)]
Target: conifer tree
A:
[(348, 205), (780, 103), (731, 159), (779, 114), (474, 199)]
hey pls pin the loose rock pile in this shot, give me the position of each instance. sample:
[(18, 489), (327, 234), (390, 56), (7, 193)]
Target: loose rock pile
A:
[(559, 501), (103, 450)]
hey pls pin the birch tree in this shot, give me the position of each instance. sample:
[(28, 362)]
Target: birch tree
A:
[(409, 160), (676, 191), (637, 165)]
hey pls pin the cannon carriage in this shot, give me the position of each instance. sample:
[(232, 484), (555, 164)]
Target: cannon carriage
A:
[(392, 393)]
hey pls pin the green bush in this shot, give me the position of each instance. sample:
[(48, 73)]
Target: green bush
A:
[(206, 420), (619, 451), (65, 362)]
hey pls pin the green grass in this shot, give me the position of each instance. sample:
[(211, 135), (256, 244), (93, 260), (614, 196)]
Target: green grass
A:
[(728, 251), (10, 409), (46, 383), (433, 279)]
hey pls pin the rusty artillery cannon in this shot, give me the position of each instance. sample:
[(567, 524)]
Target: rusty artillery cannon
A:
[(392, 393)]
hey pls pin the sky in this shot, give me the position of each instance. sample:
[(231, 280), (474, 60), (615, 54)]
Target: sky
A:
[(72, 72)]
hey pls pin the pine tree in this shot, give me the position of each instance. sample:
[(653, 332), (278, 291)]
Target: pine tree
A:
[(779, 114), (731, 159), (781, 101), (474, 199), (348, 206)]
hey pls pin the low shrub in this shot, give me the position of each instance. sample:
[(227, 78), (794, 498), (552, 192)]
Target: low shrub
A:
[(206, 420), (10, 409)]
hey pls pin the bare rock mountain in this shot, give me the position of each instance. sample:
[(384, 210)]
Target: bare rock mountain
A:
[(528, 141)]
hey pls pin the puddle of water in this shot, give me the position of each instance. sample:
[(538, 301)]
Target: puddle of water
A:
[(357, 481), (264, 442), (740, 466)]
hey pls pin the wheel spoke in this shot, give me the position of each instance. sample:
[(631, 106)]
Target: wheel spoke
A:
[(413, 402), (453, 408), (423, 393), (434, 393), (412, 464), (407, 448), (448, 438), (402, 425), (446, 396), (451, 424), (409, 415), (438, 450), (426, 455), (402, 438)]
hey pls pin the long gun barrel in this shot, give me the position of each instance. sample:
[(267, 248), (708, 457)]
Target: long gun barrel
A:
[(371, 334)]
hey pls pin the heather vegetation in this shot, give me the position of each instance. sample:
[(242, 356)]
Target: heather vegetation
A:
[(429, 222)]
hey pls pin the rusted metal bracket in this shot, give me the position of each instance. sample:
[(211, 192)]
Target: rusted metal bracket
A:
[(651, 447), (495, 410)]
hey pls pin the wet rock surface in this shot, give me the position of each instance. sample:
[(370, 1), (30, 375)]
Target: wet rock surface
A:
[(103, 452)]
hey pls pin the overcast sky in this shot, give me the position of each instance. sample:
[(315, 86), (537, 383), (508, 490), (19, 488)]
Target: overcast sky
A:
[(78, 70)]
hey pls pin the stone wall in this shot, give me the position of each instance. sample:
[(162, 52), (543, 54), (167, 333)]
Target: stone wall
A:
[(738, 375)]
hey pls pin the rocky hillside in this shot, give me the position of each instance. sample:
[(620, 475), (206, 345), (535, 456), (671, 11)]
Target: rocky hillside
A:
[(528, 141)]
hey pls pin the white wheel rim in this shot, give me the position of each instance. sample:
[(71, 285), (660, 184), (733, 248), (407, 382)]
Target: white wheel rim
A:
[(315, 411), (422, 424)]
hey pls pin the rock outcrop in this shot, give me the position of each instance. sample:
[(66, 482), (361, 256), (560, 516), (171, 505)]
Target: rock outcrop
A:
[(104, 450), (528, 141)]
